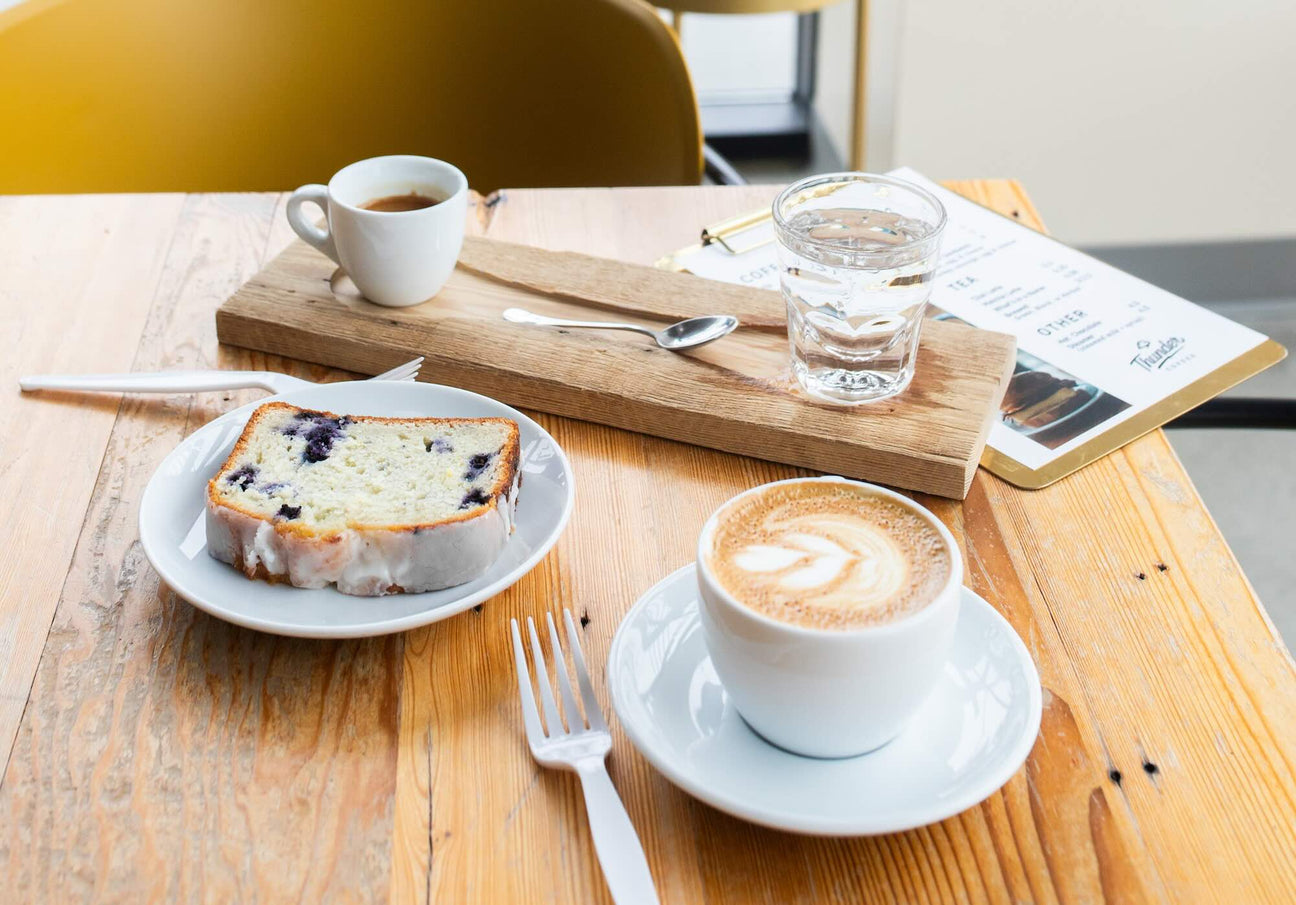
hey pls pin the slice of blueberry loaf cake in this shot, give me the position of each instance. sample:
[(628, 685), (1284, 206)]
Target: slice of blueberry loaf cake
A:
[(376, 505)]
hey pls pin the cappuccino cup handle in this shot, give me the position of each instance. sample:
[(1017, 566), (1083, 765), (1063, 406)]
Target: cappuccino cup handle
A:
[(310, 233)]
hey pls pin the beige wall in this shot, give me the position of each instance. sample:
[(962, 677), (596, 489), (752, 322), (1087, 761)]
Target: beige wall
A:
[(1128, 120)]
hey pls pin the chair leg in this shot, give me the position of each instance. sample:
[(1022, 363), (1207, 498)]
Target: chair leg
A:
[(719, 169)]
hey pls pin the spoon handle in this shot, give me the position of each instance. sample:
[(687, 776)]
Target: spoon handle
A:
[(522, 316)]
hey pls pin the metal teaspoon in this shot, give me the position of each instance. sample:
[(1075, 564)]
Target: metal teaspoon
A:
[(686, 334)]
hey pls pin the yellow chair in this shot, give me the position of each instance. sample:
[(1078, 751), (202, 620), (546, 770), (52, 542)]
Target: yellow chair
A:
[(226, 95)]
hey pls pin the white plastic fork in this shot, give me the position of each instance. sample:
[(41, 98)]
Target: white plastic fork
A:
[(191, 381), (581, 746)]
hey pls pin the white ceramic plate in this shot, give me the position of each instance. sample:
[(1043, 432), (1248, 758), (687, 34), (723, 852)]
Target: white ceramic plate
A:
[(968, 739), (174, 536)]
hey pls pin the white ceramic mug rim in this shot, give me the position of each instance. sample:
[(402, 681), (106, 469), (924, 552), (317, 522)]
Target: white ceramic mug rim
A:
[(928, 612), (461, 183)]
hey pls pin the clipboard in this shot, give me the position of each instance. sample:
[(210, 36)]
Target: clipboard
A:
[(724, 234), (748, 237)]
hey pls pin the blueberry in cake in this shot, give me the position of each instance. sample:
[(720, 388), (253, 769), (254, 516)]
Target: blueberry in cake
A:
[(375, 505)]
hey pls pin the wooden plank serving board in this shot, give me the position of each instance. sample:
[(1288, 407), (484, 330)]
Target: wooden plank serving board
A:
[(736, 394)]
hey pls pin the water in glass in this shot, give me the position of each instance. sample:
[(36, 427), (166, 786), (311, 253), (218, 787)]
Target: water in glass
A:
[(857, 255)]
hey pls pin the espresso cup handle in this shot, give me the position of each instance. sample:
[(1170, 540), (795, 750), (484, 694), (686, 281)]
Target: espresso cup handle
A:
[(312, 234)]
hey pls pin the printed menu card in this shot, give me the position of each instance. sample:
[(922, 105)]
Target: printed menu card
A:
[(1103, 357)]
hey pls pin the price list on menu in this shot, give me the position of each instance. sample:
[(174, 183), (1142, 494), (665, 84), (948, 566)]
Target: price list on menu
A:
[(1103, 356)]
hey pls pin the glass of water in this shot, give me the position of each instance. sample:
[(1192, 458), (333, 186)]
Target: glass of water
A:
[(857, 255)]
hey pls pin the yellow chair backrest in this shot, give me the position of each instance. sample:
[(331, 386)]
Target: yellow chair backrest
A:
[(241, 95)]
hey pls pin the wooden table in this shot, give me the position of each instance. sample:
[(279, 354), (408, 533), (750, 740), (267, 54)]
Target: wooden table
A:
[(156, 754)]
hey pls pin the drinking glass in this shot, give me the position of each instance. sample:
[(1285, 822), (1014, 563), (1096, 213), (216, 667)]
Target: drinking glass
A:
[(857, 254)]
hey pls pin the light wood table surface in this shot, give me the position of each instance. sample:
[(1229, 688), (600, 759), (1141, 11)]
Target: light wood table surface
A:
[(154, 754)]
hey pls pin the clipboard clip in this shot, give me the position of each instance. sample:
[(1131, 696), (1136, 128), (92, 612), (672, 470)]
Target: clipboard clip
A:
[(724, 232)]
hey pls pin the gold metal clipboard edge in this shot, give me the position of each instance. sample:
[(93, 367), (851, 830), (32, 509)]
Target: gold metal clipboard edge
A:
[(1208, 386), (675, 261)]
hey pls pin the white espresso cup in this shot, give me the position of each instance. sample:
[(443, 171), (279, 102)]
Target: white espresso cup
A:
[(395, 258), (826, 692)]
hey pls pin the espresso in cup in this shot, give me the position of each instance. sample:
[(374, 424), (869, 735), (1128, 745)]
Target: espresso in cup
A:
[(398, 204), (828, 555), (828, 607)]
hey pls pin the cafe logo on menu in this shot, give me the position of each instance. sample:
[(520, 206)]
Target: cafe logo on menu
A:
[(1152, 357)]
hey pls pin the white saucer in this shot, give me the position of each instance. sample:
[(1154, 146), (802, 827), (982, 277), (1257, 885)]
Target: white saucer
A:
[(173, 531), (967, 740)]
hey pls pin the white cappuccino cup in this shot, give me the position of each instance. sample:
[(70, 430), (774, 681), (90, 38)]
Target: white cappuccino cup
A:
[(837, 683), (395, 258)]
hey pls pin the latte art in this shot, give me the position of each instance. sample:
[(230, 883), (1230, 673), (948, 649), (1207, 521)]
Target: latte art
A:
[(828, 555)]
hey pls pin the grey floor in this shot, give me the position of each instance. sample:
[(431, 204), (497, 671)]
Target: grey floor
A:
[(1245, 476)]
